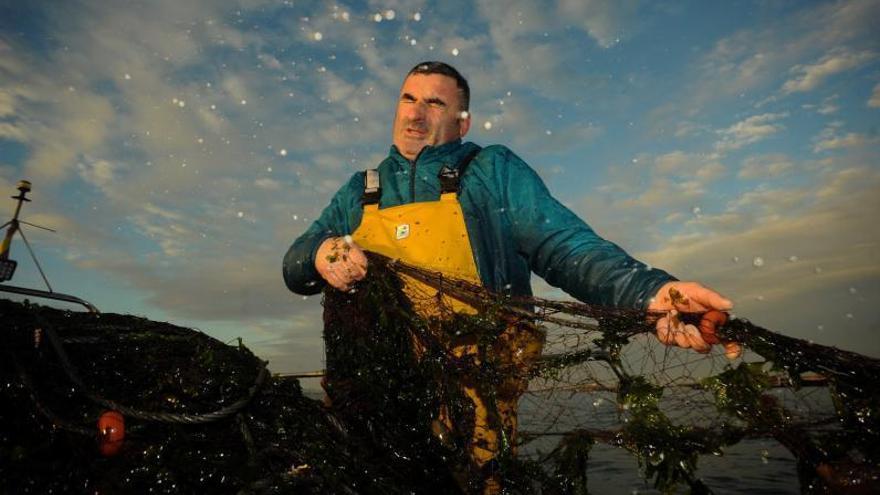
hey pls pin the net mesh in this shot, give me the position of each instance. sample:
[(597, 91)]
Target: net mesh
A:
[(408, 390), (604, 377)]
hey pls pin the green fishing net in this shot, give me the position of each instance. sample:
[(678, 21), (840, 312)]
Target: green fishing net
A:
[(205, 416)]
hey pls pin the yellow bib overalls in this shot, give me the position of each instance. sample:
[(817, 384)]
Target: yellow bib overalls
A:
[(433, 235)]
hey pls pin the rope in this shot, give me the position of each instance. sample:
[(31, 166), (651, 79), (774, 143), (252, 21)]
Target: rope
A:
[(157, 416)]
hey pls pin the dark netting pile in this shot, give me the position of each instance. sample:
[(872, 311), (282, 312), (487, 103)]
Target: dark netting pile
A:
[(204, 416), (602, 377)]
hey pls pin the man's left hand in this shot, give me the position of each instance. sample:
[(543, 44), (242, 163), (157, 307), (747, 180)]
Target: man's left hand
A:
[(690, 297)]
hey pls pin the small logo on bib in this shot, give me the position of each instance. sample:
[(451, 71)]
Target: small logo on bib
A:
[(402, 231)]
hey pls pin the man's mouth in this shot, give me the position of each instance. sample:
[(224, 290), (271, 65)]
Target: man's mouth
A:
[(417, 133)]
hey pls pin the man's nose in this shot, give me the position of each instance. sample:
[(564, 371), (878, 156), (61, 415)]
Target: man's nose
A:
[(416, 111)]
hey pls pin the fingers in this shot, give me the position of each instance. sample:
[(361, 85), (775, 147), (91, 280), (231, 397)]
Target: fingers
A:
[(663, 333), (732, 350), (672, 331), (340, 262), (696, 340), (710, 299), (688, 297), (708, 325)]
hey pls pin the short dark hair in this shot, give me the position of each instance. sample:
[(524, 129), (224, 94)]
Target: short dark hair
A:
[(434, 67)]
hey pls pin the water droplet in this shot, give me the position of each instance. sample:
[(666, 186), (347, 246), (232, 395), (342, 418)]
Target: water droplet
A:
[(390, 14), (818, 270), (412, 42), (455, 52), (849, 316), (181, 103), (240, 214), (318, 36), (377, 17), (792, 258), (244, 102), (735, 259), (758, 262), (464, 114), (417, 16), (852, 290), (127, 77), (487, 125), (283, 152), (548, 132)]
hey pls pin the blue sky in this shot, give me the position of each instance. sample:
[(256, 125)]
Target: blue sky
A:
[(179, 147)]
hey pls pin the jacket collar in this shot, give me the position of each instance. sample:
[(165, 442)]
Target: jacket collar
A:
[(446, 154)]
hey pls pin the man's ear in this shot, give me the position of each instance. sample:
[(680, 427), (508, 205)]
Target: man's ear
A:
[(464, 124)]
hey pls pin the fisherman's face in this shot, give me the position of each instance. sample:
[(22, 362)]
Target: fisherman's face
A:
[(428, 114)]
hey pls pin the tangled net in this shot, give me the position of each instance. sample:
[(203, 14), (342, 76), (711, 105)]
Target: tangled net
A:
[(204, 416), (603, 377)]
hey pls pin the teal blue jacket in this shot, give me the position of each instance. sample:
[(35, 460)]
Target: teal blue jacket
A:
[(515, 227)]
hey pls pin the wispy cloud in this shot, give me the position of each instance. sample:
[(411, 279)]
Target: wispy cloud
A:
[(874, 100), (831, 138), (765, 166), (808, 77), (749, 131)]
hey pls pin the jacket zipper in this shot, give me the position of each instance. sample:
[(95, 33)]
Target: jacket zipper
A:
[(412, 182)]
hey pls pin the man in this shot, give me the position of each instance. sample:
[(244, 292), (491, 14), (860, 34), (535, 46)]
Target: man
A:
[(494, 225)]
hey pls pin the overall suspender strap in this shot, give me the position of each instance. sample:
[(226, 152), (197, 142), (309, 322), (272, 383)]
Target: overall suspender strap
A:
[(372, 188), (450, 178)]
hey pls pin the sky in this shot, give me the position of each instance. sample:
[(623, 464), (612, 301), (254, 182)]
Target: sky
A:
[(178, 148)]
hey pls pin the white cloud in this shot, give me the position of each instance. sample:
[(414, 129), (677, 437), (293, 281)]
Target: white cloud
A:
[(603, 20), (874, 100), (814, 240), (746, 63), (830, 139), (7, 103), (808, 77), (827, 107), (681, 164), (765, 166), (268, 184), (12, 132), (749, 131), (99, 173)]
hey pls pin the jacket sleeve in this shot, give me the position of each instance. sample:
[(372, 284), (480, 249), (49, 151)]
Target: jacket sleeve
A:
[(564, 250), (336, 220)]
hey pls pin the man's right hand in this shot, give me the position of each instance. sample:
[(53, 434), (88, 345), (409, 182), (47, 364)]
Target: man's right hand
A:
[(341, 262)]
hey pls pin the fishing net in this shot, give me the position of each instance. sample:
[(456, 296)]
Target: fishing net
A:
[(408, 389), (602, 378)]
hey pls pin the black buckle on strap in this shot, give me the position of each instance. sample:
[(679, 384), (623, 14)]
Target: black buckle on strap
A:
[(448, 180)]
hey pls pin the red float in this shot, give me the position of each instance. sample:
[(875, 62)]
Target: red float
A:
[(111, 433)]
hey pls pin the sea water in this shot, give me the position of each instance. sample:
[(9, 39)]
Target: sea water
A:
[(752, 466)]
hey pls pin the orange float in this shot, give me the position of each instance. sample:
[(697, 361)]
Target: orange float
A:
[(111, 433)]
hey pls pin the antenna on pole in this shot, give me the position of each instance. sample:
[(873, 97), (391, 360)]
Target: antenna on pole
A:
[(7, 266)]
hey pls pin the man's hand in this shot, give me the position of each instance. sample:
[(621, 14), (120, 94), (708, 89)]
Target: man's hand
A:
[(341, 262), (690, 297)]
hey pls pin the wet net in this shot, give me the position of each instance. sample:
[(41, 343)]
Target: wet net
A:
[(602, 378), (407, 391)]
